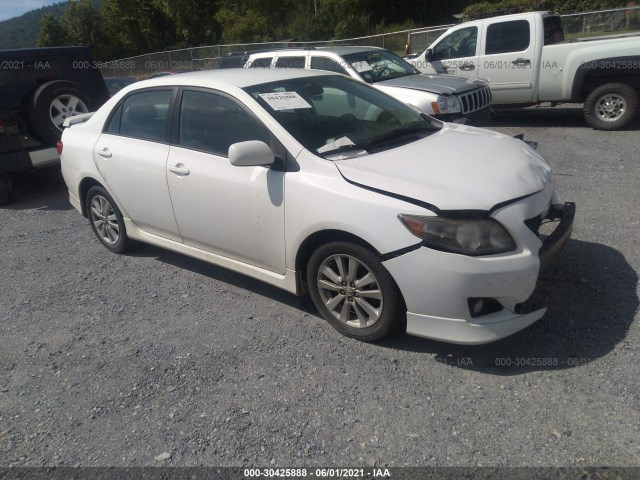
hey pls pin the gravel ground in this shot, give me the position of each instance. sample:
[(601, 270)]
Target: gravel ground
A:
[(153, 358)]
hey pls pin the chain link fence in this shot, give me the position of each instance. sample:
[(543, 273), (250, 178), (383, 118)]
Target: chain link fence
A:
[(606, 22), (576, 26)]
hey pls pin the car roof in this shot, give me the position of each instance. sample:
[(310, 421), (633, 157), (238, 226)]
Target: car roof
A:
[(337, 49), (347, 49), (239, 77)]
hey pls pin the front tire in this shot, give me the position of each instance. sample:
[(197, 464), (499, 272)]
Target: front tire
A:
[(353, 291), (611, 107), (106, 220)]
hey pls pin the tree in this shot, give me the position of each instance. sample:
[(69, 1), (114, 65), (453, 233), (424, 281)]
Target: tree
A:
[(137, 27), (192, 29), (51, 33), (82, 25), (247, 27)]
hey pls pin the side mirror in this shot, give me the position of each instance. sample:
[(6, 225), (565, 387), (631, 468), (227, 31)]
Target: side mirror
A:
[(250, 154), (428, 54)]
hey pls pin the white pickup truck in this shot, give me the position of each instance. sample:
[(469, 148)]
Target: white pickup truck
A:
[(527, 61)]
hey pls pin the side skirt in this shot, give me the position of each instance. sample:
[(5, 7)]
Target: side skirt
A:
[(286, 282)]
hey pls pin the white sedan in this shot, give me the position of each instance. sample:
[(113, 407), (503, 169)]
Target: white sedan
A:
[(316, 183)]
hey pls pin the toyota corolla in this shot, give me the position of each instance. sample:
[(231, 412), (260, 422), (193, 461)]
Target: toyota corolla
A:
[(319, 184)]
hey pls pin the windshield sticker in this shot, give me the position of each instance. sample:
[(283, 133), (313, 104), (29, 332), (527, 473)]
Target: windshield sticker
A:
[(335, 144), (285, 100), (362, 66)]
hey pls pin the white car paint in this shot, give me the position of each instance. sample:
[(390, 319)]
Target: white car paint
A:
[(255, 220)]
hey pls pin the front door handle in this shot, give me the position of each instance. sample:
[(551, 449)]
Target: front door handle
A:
[(179, 168), (521, 61), (105, 152), (467, 67)]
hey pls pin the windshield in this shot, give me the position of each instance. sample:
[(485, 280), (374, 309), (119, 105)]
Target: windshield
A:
[(331, 114), (378, 65)]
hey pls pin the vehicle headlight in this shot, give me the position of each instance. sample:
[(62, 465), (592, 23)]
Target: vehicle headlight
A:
[(447, 104), (469, 236)]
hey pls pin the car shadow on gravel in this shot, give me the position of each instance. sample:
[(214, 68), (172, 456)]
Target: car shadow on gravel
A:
[(592, 300), (565, 116), (222, 274), (39, 190), (590, 293)]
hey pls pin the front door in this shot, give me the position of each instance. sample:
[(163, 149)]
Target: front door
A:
[(455, 54), (237, 212)]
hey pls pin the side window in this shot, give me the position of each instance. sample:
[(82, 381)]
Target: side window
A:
[(553, 31), (211, 123), (505, 37), (290, 62), (458, 44), (144, 115), (264, 62), (113, 126), (324, 63)]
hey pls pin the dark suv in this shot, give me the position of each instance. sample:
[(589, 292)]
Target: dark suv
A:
[(39, 89)]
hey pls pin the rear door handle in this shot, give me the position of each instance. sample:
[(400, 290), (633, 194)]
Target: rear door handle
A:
[(179, 168), (467, 66), (521, 61), (105, 152)]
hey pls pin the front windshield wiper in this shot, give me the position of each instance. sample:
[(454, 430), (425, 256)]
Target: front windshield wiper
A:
[(398, 132), (391, 77)]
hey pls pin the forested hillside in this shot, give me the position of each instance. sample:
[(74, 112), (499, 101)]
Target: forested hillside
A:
[(121, 28)]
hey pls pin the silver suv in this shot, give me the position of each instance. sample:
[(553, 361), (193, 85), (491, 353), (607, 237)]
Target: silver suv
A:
[(447, 97)]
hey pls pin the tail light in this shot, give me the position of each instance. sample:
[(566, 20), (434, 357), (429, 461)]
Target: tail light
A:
[(59, 147), (1, 126)]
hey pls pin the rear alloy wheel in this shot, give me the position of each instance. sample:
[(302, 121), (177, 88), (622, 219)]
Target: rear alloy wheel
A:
[(611, 107), (353, 291), (106, 220), (6, 188)]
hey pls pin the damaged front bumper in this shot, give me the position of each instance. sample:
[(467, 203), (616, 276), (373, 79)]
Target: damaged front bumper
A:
[(437, 286)]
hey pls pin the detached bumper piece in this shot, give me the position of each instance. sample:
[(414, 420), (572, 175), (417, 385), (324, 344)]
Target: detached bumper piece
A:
[(553, 244)]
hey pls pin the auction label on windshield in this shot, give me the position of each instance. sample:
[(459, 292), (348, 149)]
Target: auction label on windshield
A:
[(285, 100)]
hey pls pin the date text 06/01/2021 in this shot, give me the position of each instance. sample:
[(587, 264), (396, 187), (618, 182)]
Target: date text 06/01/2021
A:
[(328, 473)]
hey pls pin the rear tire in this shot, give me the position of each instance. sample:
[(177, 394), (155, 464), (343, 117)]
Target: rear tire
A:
[(51, 104), (353, 291), (106, 220), (611, 107), (6, 188)]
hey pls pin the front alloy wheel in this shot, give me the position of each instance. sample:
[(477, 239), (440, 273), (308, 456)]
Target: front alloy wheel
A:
[(353, 291), (350, 291)]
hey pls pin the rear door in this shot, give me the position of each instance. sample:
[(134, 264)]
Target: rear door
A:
[(131, 155), (508, 58)]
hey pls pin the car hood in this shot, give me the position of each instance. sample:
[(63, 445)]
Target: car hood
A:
[(458, 168), (439, 84)]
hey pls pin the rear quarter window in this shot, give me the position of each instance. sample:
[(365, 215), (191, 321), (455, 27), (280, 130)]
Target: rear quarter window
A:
[(505, 37), (264, 62), (290, 62)]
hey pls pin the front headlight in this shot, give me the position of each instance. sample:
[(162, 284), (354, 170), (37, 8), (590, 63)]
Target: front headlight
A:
[(469, 236), (447, 104)]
